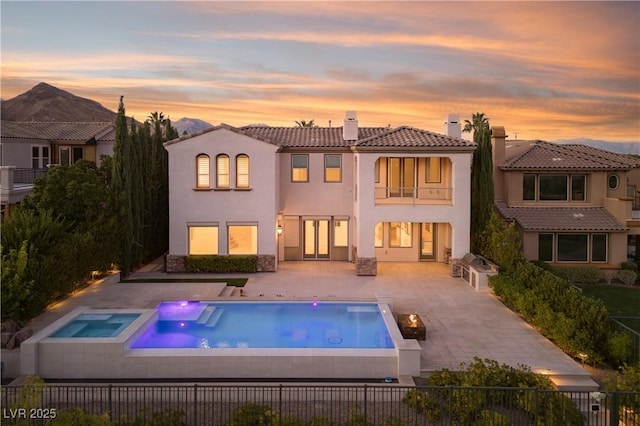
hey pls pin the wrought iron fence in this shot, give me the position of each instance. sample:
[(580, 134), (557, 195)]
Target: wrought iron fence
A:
[(634, 336), (204, 404), (27, 175)]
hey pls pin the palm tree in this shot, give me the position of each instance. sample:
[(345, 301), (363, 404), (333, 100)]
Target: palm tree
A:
[(478, 124), (303, 123)]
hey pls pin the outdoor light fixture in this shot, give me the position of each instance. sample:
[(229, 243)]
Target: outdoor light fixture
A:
[(279, 229), (413, 319)]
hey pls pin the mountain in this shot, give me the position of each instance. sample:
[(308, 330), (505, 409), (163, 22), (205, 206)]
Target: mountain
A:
[(190, 125), (47, 103), (619, 147)]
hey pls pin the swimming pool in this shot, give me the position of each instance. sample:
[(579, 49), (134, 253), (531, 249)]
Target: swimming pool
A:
[(363, 342), (96, 325), (195, 324)]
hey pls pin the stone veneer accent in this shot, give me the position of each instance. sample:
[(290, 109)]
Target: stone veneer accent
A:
[(455, 267), (366, 266), (175, 263), (266, 263)]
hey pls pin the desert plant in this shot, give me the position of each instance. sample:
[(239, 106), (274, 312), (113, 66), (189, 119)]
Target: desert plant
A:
[(608, 275), (629, 266), (627, 276)]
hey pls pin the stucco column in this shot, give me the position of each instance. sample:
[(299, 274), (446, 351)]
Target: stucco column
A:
[(461, 220), (364, 208), (6, 177)]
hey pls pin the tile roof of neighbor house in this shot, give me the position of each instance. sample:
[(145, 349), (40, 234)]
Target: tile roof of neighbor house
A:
[(58, 131), (585, 219), (332, 137), (542, 155)]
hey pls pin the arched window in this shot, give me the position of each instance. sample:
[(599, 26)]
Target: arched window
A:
[(222, 176), (242, 171), (202, 171)]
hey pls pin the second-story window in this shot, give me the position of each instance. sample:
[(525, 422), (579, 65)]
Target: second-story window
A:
[(299, 168), (556, 187), (222, 172), (242, 171), (202, 171), (401, 178), (432, 174), (333, 168)]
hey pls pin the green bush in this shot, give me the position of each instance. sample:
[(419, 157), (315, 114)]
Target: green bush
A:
[(620, 348), (78, 417), (578, 274), (423, 402), (626, 276), (542, 264), (251, 414), (222, 264), (629, 266)]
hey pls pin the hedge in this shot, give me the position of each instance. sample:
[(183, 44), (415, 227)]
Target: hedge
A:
[(222, 264)]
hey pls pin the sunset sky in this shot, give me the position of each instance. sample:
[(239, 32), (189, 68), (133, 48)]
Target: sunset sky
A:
[(545, 70)]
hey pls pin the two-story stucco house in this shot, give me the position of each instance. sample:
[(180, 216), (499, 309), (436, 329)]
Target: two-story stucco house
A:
[(28, 148), (350, 193), (572, 204)]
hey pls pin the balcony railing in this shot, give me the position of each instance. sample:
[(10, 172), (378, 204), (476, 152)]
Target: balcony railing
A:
[(25, 176), (412, 195)]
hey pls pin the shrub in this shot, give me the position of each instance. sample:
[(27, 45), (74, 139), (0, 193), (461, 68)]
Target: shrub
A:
[(423, 402), (578, 274), (222, 264), (77, 416), (619, 348), (608, 275), (629, 266), (626, 276), (542, 264), (250, 414)]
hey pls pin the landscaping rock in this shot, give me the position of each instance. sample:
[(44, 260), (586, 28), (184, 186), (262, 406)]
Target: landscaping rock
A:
[(19, 337), (10, 326), (5, 339)]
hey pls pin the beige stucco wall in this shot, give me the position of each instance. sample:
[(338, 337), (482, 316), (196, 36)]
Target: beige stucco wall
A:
[(190, 206), (17, 152)]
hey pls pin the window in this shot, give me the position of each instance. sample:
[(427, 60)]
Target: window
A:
[(578, 187), (545, 247), (243, 239), (222, 175), (613, 181), (572, 247), (203, 239), (378, 234), (299, 168), (598, 247), (529, 187), (376, 170), (202, 171), (400, 234), (39, 157), (332, 168), (432, 174), (70, 154), (553, 187), (242, 171), (401, 177), (340, 233)]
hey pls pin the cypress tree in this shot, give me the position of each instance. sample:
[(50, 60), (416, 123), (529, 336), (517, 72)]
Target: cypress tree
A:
[(481, 179)]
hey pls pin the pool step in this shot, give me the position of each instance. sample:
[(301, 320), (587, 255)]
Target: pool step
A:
[(213, 320), (71, 330), (361, 309), (206, 314)]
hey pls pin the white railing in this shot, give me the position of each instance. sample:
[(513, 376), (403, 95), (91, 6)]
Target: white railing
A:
[(413, 195)]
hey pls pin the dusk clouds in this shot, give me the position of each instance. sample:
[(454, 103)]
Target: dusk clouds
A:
[(544, 70)]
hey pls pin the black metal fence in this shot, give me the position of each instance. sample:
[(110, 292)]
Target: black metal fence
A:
[(28, 175), (290, 405), (633, 335)]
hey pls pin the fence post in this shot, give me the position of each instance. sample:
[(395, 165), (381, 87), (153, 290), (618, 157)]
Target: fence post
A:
[(614, 410), (535, 405), (195, 403), (365, 405), (110, 400), (450, 405), (280, 403)]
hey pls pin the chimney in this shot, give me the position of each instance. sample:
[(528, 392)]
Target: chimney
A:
[(350, 129), (498, 142), (452, 126)]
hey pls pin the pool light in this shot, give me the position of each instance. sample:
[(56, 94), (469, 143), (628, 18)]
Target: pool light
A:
[(315, 303)]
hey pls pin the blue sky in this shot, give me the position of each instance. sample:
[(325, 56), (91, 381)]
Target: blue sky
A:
[(547, 70)]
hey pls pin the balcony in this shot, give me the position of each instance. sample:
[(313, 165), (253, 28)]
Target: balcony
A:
[(16, 183), (404, 195), (27, 176)]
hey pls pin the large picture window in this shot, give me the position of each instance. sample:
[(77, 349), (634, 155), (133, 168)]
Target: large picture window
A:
[(242, 171), (400, 234), (243, 239), (222, 171), (202, 171), (333, 168), (299, 168), (203, 239), (573, 247), (553, 187)]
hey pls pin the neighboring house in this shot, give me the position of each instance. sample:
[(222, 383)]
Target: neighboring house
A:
[(572, 204), (27, 149), (342, 194)]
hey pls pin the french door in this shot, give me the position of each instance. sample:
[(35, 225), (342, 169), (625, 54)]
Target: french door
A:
[(427, 241), (316, 239)]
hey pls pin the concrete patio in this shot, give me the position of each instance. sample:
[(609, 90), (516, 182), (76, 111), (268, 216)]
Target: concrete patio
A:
[(461, 323)]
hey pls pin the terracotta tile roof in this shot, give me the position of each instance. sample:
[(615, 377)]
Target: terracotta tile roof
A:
[(58, 131), (559, 219), (406, 136), (543, 155), (308, 137)]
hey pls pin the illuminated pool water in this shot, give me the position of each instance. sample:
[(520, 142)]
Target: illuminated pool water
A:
[(96, 325), (195, 324)]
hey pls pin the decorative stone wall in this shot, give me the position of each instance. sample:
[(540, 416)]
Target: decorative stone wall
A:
[(266, 263), (366, 266), (455, 267), (175, 263)]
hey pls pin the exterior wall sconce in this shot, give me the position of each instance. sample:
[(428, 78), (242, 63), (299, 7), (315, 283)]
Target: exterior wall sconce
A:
[(279, 229)]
